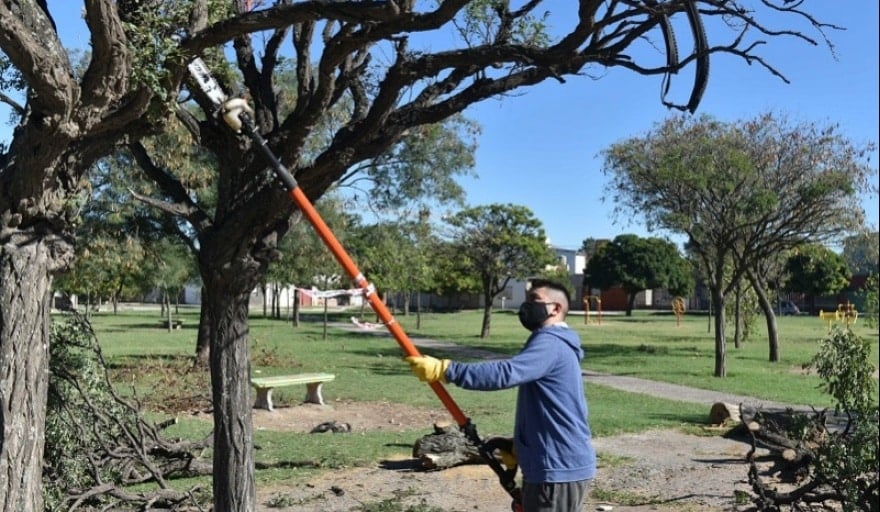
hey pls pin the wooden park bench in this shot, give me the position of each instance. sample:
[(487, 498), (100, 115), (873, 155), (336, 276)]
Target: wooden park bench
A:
[(313, 382), (175, 324)]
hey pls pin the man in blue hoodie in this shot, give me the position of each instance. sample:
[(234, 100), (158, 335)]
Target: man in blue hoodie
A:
[(551, 436)]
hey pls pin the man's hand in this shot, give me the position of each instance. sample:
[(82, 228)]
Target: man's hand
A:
[(428, 369), (503, 446), (508, 458)]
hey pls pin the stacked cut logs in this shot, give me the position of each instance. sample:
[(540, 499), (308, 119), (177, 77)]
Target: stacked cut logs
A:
[(793, 439)]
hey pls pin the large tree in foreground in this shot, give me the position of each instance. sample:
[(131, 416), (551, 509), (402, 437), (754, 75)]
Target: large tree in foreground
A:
[(742, 193), (379, 59)]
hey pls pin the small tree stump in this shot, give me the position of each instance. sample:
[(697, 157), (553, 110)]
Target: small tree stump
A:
[(446, 447), (721, 413)]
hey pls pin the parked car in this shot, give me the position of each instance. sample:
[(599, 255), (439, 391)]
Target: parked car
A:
[(787, 307)]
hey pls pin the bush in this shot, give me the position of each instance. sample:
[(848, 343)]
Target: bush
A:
[(848, 462)]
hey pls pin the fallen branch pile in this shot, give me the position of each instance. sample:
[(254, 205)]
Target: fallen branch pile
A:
[(99, 444), (814, 467)]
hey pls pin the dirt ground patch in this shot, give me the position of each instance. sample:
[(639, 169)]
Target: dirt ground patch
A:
[(661, 470)]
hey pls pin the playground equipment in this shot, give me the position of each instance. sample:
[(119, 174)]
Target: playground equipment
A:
[(846, 313), (678, 307), (598, 301)]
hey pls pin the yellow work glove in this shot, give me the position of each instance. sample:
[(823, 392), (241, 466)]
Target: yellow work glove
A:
[(506, 453), (428, 369), (508, 458)]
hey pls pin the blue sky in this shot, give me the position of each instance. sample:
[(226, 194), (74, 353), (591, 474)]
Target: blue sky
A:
[(540, 148)]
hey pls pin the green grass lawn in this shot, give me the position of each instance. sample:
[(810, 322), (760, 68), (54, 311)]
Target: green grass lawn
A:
[(156, 363), (653, 346)]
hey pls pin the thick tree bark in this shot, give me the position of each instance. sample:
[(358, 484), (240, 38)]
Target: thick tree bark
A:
[(487, 311), (737, 315), (203, 340), (25, 293), (769, 315), (234, 486), (720, 348)]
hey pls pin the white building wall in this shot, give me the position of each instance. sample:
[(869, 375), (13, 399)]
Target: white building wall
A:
[(514, 293)]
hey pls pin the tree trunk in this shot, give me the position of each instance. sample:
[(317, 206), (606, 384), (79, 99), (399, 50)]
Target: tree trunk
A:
[(25, 306), (769, 315), (296, 297), (234, 486), (203, 340), (487, 313), (276, 301), (720, 348), (418, 310), (167, 301), (630, 303), (737, 317), (324, 332)]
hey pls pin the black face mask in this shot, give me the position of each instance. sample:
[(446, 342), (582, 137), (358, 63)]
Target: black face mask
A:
[(533, 314)]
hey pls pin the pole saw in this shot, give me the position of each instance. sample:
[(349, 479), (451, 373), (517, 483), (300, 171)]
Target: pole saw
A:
[(236, 113)]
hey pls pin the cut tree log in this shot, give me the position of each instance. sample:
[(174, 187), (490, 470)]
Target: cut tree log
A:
[(446, 447), (721, 413), (773, 430)]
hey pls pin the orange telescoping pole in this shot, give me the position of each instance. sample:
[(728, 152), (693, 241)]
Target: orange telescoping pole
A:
[(235, 112), (506, 476), (330, 240), (311, 214)]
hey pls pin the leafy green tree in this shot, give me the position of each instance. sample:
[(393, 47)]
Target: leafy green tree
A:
[(637, 264), (128, 249), (422, 271), (591, 246), (498, 243), (384, 252), (168, 268), (406, 249), (862, 252), (451, 275), (304, 257), (106, 269), (741, 193), (375, 59), (816, 270), (742, 311)]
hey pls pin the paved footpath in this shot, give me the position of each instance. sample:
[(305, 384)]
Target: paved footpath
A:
[(631, 384)]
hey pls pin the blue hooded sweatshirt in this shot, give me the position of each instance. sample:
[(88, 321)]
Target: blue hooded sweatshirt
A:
[(552, 435)]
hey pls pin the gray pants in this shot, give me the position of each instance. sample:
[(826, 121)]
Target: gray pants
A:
[(560, 497)]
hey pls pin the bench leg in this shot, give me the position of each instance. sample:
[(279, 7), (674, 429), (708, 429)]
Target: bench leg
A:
[(313, 393), (264, 399)]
